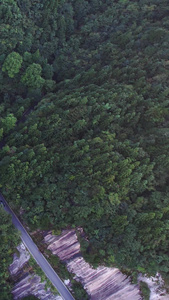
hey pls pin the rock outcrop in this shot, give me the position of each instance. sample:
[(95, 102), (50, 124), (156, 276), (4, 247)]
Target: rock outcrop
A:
[(32, 285), (19, 261), (156, 286), (101, 283), (27, 284)]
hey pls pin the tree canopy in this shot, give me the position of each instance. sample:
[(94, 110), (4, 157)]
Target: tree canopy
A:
[(86, 84), (12, 64)]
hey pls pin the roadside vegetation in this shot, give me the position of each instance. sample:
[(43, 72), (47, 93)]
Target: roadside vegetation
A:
[(35, 269), (9, 239)]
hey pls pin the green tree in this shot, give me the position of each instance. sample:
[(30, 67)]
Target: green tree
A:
[(32, 77), (8, 123), (12, 64)]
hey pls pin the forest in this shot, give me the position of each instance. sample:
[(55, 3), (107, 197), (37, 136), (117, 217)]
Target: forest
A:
[(9, 238), (84, 127)]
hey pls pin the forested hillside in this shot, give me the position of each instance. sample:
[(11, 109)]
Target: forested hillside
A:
[(84, 89), (9, 238)]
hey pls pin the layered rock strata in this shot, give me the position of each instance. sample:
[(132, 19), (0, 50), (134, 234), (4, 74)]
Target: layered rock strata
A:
[(101, 283), (19, 261), (32, 285), (27, 284)]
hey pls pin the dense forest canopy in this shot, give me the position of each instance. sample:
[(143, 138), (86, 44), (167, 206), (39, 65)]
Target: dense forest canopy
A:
[(85, 123)]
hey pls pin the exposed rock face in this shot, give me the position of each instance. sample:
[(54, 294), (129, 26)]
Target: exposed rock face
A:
[(32, 285), (101, 283), (19, 262), (66, 246), (28, 284), (156, 286)]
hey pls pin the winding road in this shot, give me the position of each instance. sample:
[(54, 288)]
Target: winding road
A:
[(38, 256)]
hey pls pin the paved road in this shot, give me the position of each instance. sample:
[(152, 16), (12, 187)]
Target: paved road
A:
[(38, 256)]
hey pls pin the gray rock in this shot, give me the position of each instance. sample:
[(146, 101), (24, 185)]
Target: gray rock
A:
[(32, 285), (19, 262), (101, 283), (28, 284)]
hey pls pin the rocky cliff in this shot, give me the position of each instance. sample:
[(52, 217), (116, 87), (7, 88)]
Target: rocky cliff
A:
[(27, 283), (101, 283)]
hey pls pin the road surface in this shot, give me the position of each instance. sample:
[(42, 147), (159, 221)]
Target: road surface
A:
[(38, 256)]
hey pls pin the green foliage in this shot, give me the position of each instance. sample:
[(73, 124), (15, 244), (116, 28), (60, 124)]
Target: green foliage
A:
[(79, 292), (9, 240), (1, 133), (37, 270), (32, 77), (12, 64), (145, 290), (8, 123), (91, 143)]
